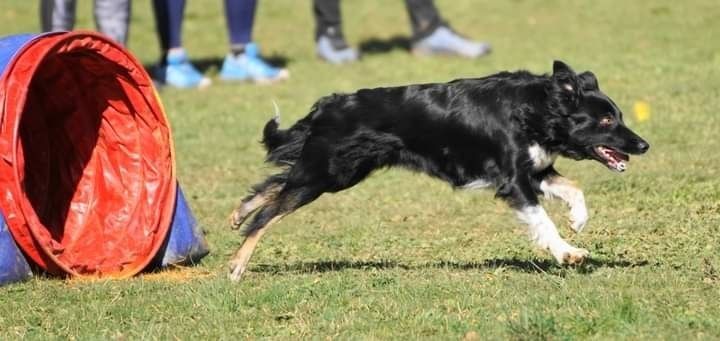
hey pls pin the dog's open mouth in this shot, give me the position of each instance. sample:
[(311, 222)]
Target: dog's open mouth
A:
[(612, 158)]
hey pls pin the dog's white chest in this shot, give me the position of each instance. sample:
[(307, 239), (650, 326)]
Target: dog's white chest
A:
[(540, 157)]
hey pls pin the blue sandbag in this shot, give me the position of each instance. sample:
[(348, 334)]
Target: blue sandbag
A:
[(13, 266), (186, 243)]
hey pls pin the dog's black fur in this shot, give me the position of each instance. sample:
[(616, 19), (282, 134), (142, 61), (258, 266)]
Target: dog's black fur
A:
[(460, 132)]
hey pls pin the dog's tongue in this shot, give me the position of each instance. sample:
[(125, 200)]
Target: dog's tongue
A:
[(618, 156)]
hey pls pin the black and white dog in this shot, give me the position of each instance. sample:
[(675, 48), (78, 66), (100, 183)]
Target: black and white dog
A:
[(502, 131)]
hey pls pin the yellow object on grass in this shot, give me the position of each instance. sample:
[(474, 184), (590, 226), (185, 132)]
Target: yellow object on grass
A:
[(641, 109)]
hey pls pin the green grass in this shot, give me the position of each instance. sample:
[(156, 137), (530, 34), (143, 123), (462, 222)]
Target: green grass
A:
[(402, 255)]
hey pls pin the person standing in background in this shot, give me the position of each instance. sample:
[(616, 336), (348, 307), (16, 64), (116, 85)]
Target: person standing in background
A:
[(242, 63), (431, 35), (112, 17)]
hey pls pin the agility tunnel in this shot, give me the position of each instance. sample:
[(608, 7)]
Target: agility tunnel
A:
[(87, 172)]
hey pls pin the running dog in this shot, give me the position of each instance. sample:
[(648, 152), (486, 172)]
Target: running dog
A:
[(502, 131)]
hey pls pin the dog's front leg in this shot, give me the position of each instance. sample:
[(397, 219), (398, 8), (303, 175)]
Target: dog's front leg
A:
[(543, 233), (555, 185), (541, 229)]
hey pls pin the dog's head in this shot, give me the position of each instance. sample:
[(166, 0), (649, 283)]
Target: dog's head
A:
[(594, 124)]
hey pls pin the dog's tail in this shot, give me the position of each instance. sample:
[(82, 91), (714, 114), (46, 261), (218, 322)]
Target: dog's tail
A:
[(284, 146)]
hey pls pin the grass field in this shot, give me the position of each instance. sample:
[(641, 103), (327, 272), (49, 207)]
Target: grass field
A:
[(403, 256)]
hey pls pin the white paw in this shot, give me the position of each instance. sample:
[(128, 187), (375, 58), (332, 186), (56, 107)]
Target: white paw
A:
[(571, 256), (578, 217)]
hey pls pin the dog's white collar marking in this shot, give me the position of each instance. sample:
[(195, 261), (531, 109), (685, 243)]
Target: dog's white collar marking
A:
[(540, 157)]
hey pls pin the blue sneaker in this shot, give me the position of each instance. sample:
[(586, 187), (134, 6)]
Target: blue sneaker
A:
[(335, 51), (249, 66), (444, 41), (178, 72)]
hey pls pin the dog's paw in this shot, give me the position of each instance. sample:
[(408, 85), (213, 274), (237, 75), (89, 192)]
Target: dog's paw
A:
[(236, 270), (575, 256), (578, 217), (238, 216)]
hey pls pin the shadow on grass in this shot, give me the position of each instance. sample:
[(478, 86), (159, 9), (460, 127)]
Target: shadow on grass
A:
[(376, 46), (205, 64), (513, 264)]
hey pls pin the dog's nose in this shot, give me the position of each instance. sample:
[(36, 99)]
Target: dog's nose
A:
[(643, 147)]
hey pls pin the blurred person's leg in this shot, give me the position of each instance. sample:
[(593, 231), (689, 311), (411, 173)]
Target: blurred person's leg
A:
[(112, 18), (174, 68), (330, 41), (57, 15), (327, 18), (433, 36), (240, 16), (168, 22), (424, 18), (244, 62)]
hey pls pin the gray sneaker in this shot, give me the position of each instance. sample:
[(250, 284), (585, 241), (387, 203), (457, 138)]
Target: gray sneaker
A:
[(335, 51), (445, 41)]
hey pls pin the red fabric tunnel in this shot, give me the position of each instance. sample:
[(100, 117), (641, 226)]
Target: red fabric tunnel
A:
[(87, 171)]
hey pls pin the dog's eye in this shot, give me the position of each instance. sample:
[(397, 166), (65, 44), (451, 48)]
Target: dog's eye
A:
[(607, 120)]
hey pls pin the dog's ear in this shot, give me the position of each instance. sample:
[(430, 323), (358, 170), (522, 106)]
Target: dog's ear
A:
[(588, 81), (565, 77)]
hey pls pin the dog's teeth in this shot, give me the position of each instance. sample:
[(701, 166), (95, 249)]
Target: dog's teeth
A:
[(621, 166)]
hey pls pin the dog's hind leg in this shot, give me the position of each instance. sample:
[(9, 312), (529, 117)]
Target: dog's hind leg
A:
[(261, 195), (324, 166), (239, 262), (285, 202)]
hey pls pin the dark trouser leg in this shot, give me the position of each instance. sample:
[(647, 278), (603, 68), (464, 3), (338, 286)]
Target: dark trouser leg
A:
[(327, 18), (240, 16), (168, 20)]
